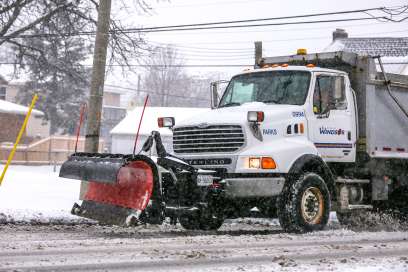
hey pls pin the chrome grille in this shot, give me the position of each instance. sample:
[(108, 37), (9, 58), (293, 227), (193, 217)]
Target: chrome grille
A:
[(220, 138)]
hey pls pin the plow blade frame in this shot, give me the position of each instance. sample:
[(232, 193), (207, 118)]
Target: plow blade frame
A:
[(93, 167)]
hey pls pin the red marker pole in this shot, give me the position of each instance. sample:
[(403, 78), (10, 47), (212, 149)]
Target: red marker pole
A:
[(81, 118), (140, 123)]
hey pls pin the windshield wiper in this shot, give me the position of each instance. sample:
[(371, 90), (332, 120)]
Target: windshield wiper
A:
[(231, 104)]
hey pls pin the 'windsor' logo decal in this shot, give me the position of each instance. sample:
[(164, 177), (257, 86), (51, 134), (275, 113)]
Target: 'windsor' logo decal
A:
[(331, 131)]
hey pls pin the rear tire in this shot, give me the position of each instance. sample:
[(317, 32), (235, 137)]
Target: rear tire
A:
[(352, 219), (397, 204), (304, 204)]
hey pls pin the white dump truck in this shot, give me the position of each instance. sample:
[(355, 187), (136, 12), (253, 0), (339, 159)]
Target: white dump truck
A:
[(302, 135)]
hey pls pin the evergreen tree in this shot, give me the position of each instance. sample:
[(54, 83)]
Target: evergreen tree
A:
[(58, 75)]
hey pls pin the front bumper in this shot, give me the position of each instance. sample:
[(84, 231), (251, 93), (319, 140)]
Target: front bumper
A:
[(253, 187)]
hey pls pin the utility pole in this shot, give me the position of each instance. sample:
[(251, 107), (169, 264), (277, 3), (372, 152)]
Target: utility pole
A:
[(97, 83), (98, 77), (258, 53), (139, 78)]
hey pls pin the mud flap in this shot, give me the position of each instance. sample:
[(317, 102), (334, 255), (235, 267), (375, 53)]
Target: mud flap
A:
[(119, 186)]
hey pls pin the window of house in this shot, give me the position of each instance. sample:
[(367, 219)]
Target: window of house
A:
[(329, 90), (2, 93)]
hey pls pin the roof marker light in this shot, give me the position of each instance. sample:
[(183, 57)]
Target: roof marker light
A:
[(301, 51)]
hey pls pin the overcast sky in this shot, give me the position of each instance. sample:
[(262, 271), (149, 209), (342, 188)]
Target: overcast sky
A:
[(235, 46)]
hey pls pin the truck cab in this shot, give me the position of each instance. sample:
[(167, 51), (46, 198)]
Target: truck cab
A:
[(304, 110)]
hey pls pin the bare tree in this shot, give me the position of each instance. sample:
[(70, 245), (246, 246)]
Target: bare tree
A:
[(53, 39), (164, 72), (22, 20)]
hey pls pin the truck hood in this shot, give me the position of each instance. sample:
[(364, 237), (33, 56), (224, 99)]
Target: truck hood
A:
[(238, 114)]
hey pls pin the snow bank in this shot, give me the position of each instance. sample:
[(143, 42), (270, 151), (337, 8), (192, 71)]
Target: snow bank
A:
[(36, 194)]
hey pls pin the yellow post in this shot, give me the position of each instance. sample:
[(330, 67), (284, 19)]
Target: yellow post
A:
[(20, 134)]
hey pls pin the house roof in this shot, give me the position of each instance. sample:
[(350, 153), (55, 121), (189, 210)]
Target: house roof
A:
[(393, 50), (12, 108), (385, 47), (128, 126)]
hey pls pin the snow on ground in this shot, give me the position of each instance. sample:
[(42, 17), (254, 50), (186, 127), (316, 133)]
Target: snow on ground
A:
[(37, 194)]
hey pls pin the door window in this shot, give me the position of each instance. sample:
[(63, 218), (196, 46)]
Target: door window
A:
[(329, 93)]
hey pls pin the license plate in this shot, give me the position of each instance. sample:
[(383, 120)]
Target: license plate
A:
[(204, 180)]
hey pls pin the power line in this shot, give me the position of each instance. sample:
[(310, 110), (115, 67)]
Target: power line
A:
[(263, 19), (297, 29), (211, 4), (142, 30), (151, 92), (183, 48), (227, 24), (164, 29), (182, 65), (142, 65)]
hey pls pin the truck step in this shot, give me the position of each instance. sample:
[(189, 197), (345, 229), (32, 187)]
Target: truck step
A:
[(359, 207), (352, 181)]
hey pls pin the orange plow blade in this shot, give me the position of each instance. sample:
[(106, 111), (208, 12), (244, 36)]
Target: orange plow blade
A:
[(133, 188)]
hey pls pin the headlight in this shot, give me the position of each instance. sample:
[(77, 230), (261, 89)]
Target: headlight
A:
[(165, 122), (254, 163), (261, 163)]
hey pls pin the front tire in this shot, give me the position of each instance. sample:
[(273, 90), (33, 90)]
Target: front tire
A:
[(304, 204)]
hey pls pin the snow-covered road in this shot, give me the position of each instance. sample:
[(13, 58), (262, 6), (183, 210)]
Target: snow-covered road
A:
[(237, 247), (38, 233)]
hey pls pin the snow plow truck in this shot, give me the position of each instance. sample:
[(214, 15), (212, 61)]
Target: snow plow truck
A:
[(296, 137)]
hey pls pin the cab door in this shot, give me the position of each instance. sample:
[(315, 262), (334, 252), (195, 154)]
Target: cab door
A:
[(331, 119)]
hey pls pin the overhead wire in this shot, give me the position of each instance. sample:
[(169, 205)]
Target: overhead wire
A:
[(260, 19), (230, 24), (156, 93)]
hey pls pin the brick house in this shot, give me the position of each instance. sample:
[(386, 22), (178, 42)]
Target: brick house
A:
[(37, 127), (11, 119)]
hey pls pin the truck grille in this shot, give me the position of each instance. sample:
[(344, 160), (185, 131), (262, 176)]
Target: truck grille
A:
[(220, 138)]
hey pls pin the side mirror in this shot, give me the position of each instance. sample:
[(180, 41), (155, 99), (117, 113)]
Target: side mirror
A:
[(215, 92), (214, 95)]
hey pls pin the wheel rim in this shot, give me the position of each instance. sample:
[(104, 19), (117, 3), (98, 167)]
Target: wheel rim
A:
[(312, 205)]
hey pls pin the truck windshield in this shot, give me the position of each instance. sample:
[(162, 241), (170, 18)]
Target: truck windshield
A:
[(277, 87)]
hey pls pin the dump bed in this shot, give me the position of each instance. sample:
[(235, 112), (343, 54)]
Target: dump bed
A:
[(383, 126)]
